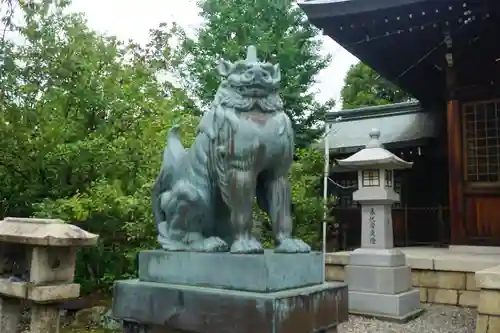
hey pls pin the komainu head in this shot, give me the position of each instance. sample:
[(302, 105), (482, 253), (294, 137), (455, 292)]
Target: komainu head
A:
[(250, 77)]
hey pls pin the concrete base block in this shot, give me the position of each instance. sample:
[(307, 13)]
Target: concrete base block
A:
[(399, 307), (377, 257), (266, 272), (381, 280), (166, 308)]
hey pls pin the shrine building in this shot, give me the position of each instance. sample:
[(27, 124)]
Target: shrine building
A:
[(444, 54)]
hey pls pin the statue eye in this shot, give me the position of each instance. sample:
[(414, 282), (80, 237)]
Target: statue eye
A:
[(239, 69), (268, 68)]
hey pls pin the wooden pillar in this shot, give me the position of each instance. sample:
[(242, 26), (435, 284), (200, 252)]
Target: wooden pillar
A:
[(455, 152)]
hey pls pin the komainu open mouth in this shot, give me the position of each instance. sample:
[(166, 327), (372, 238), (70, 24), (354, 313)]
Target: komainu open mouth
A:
[(254, 89)]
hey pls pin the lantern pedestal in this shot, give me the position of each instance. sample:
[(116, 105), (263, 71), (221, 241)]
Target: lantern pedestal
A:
[(378, 278), (400, 307)]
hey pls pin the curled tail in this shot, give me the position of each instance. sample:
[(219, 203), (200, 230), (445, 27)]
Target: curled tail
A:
[(172, 154), (174, 149)]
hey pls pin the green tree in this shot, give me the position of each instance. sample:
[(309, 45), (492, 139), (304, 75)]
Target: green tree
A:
[(365, 87), (281, 33), (83, 120)]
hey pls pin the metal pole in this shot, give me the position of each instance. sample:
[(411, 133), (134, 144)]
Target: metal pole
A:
[(325, 194), (324, 252), (328, 129)]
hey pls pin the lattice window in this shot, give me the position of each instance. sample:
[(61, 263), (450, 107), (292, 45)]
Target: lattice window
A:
[(482, 141), (370, 178)]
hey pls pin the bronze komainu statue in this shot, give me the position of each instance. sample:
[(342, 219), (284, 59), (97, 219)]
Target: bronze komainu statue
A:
[(202, 199)]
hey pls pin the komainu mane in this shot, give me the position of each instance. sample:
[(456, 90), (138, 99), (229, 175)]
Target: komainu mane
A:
[(202, 199)]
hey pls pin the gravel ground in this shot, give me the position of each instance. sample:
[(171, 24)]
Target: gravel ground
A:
[(436, 319)]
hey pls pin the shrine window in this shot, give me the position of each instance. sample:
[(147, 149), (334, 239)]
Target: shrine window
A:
[(370, 178), (481, 122)]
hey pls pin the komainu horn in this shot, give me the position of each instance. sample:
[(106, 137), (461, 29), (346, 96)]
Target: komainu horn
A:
[(202, 198)]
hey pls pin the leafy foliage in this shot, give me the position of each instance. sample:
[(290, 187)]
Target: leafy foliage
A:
[(365, 87), (83, 122), (308, 206), (281, 33)]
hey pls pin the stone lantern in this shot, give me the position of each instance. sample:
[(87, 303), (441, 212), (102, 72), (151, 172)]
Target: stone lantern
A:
[(37, 264), (378, 278)]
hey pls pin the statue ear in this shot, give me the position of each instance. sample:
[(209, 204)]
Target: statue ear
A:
[(276, 73), (225, 68)]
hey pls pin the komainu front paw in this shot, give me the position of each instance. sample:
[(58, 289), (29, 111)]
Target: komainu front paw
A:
[(210, 244), (170, 245), (170, 239), (193, 238), (247, 245), (292, 245)]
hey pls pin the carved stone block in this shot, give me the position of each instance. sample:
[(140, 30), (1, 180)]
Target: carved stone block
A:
[(251, 272), (52, 264)]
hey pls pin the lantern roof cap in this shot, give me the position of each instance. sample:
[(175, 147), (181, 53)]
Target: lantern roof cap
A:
[(374, 156), (44, 232)]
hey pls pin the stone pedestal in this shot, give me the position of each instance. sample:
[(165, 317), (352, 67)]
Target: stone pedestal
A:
[(380, 285), (243, 272), (222, 292), (379, 279)]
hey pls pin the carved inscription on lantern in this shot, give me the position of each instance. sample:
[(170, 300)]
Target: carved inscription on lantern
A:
[(371, 221)]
